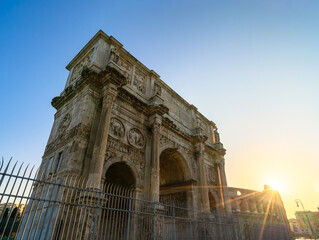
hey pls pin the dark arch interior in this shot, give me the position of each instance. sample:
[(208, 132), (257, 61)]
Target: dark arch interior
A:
[(120, 174), (174, 179), (171, 170)]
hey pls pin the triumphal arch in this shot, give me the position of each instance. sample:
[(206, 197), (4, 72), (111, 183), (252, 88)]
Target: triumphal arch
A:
[(118, 122)]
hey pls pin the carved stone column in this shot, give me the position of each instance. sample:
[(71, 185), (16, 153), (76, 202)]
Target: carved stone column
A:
[(96, 167), (111, 80), (156, 121), (224, 187), (199, 154), (155, 112)]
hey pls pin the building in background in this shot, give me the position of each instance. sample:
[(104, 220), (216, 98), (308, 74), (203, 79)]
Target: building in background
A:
[(306, 224), (260, 215)]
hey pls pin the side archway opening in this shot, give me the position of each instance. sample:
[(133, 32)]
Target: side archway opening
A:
[(175, 179)]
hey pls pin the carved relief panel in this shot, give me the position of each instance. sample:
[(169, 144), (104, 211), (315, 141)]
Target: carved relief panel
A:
[(157, 90), (136, 138), (86, 61), (211, 175), (64, 124), (139, 81), (127, 142), (116, 58), (117, 128)]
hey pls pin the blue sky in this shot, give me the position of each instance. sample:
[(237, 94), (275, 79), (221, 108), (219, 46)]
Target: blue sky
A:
[(250, 66)]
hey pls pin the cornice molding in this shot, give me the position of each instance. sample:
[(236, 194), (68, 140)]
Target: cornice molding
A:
[(88, 76)]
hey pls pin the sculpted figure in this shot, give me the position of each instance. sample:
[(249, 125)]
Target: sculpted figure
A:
[(114, 56), (135, 138), (117, 128), (64, 123)]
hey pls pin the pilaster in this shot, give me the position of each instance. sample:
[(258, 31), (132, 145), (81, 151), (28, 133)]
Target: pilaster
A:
[(224, 188), (156, 122), (111, 80), (155, 113), (199, 155)]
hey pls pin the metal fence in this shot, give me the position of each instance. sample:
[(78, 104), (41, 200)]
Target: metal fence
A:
[(36, 205)]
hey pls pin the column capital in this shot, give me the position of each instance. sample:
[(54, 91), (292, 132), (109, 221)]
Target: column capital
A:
[(111, 75), (199, 145), (220, 162), (158, 109), (156, 122), (109, 94)]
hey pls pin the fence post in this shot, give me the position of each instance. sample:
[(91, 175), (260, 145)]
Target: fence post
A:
[(96, 213), (154, 212), (174, 228), (129, 217), (191, 227)]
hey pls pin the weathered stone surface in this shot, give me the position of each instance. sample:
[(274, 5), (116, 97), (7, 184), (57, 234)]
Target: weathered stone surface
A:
[(115, 110)]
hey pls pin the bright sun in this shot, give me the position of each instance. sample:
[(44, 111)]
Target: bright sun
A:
[(277, 184)]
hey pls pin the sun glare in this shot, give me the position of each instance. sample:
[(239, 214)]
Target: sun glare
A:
[(277, 184)]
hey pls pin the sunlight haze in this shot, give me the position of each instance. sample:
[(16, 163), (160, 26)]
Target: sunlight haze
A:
[(249, 66)]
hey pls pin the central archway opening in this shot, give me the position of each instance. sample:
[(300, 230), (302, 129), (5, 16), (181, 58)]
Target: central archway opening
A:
[(121, 174), (118, 191)]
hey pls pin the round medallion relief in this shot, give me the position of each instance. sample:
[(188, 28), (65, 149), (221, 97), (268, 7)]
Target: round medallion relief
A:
[(117, 128), (66, 120), (135, 138)]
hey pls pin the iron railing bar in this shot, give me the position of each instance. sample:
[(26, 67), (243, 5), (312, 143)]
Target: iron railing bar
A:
[(85, 199), (36, 211), (110, 215), (127, 214), (77, 195), (96, 214), (102, 219), (154, 220), (5, 189), (121, 228), (81, 218), (53, 206), (92, 205), (2, 163), (25, 171), (119, 222), (55, 229), (12, 207), (104, 212), (116, 214), (71, 220), (30, 210), (66, 206), (39, 220), (5, 171), (64, 185), (27, 201), (129, 218), (174, 219)]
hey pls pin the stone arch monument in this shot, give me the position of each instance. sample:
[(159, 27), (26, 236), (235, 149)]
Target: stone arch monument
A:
[(118, 122)]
